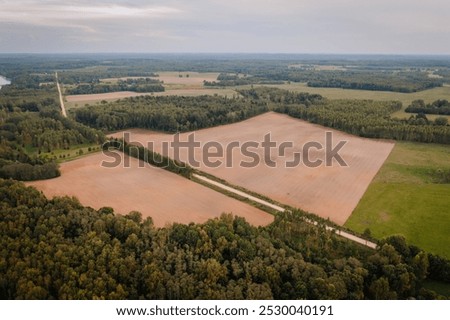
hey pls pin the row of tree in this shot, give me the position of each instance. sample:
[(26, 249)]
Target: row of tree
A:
[(232, 80), (377, 81), (58, 249), (135, 85), (358, 78), (150, 157)]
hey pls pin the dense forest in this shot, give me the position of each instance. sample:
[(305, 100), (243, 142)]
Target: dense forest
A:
[(31, 125), (135, 85), (58, 249), (436, 107), (171, 114), (366, 118)]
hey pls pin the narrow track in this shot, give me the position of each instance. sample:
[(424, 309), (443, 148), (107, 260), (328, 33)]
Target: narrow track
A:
[(341, 233), (61, 100)]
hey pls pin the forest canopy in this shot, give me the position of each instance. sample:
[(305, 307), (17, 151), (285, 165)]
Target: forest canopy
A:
[(31, 127), (58, 249)]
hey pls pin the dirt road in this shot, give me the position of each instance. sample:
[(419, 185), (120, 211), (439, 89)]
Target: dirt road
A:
[(344, 234), (61, 100)]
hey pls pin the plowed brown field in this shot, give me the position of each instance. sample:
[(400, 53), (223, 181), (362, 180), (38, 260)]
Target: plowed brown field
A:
[(154, 192), (328, 191)]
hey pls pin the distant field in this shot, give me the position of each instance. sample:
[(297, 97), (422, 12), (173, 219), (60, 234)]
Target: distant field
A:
[(404, 200), (176, 79), (331, 192), (75, 101), (154, 192), (176, 83), (185, 80)]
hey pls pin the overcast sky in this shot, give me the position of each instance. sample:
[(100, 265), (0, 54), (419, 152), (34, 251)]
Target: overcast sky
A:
[(268, 26)]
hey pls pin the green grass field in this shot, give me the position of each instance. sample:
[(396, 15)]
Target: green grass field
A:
[(404, 198)]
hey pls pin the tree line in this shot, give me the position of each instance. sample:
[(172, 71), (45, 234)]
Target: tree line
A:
[(170, 114), (58, 249), (398, 81), (365, 118), (149, 156), (358, 79), (135, 85), (232, 80)]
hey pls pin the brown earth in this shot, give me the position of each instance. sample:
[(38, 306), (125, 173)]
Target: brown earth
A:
[(156, 193), (328, 191)]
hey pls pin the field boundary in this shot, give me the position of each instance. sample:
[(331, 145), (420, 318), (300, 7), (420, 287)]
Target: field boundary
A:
[(339, 232)]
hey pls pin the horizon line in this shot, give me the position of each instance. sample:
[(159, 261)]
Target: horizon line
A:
[(230, 53)]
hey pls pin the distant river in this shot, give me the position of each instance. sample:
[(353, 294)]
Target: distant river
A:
[(4, 81)]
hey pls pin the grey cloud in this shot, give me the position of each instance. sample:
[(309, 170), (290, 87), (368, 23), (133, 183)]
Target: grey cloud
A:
[(341, 26)]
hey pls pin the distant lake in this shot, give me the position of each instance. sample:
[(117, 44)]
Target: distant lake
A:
[(4, 81)]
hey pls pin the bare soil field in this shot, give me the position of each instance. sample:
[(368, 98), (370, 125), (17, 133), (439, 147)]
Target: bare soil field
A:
[(154, 192), (328, 191)]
